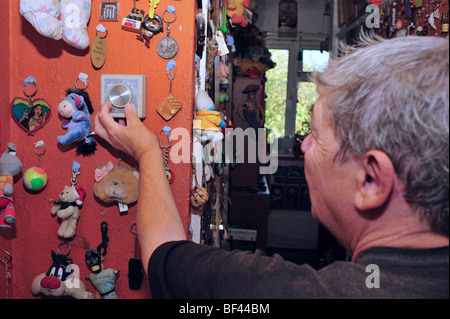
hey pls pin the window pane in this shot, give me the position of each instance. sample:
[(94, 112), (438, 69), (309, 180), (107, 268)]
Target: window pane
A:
[(306, 96), (314, 60), (276, 92)]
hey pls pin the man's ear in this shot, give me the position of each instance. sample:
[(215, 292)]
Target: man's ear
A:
[(375, 181)]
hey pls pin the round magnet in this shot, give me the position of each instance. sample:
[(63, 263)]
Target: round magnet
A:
[(120, 95)]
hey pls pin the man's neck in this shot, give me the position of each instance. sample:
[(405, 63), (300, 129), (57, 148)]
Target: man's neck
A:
[(412, 240)]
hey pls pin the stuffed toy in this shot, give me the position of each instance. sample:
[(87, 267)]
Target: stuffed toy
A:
[(207, 120), (66, 19), (236, 9), (75, 110), (10, 166), (116, 183), (104, 280), (67, 208), (60, 280)]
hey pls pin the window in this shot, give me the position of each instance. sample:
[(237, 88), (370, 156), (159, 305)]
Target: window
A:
[(288, 90), (276, 92)]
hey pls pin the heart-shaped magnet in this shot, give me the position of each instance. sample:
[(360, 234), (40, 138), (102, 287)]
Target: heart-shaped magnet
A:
[(30, 115)]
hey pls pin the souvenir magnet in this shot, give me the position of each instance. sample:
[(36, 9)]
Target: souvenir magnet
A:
[(109, 11), (31, 115)]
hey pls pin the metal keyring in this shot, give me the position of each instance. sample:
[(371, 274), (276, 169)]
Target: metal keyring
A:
[(9, 258), (86, 83), (40, 146), (31, 95), (131, 229), (96, 33), (169, 22), (62, 243)]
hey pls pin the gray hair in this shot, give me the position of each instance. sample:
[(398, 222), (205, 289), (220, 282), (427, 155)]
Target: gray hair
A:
[(393, 95)]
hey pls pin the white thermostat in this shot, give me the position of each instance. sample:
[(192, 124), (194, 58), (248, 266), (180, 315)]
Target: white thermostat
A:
[(122, 89)]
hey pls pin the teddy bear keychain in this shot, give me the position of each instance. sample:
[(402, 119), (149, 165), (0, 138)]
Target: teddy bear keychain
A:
[(68, 207)]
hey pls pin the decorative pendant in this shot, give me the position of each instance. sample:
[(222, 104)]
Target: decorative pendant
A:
[(170, 106), (168, 47), (30, 114)]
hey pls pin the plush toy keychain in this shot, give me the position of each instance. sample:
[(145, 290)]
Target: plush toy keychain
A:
[(68, 207), (10, 166), (104, 280), (75, 109), (35, 178), (61, 279), (116, 183)]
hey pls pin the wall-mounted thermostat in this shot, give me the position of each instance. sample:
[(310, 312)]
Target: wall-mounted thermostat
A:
[(122, 89)]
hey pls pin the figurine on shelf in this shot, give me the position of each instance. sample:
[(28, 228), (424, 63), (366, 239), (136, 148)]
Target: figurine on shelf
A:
[(236, 9), (207, 119), (250, 107)]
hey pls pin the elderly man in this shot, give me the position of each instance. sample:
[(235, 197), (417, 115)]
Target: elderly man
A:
[(377, 165)]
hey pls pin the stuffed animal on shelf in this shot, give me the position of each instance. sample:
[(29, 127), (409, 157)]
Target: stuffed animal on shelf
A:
[(116, 183), (10, 166), (236, 9), (75, 110), (207, 119), (60, 280), (67, 208), (66, 19)]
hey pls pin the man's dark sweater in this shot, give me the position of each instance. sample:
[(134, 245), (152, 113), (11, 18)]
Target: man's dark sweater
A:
[(184, 269)]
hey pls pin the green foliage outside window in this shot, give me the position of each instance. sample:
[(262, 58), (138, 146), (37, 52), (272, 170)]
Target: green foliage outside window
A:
[(276, 92)]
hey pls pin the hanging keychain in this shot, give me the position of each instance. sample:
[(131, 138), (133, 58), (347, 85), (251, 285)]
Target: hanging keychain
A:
[(169, 173), (35, 178), (170, 106), (135, 269), (7, 273), (68, 207), (104, 280), (168, 47), (30, 114), (99, 49), (61, 279), (75, 110)]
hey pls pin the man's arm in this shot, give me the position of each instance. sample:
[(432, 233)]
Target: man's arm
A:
[(157, 217)]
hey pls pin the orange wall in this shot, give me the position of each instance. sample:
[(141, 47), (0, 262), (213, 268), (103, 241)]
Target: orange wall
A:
[(56, 65)]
